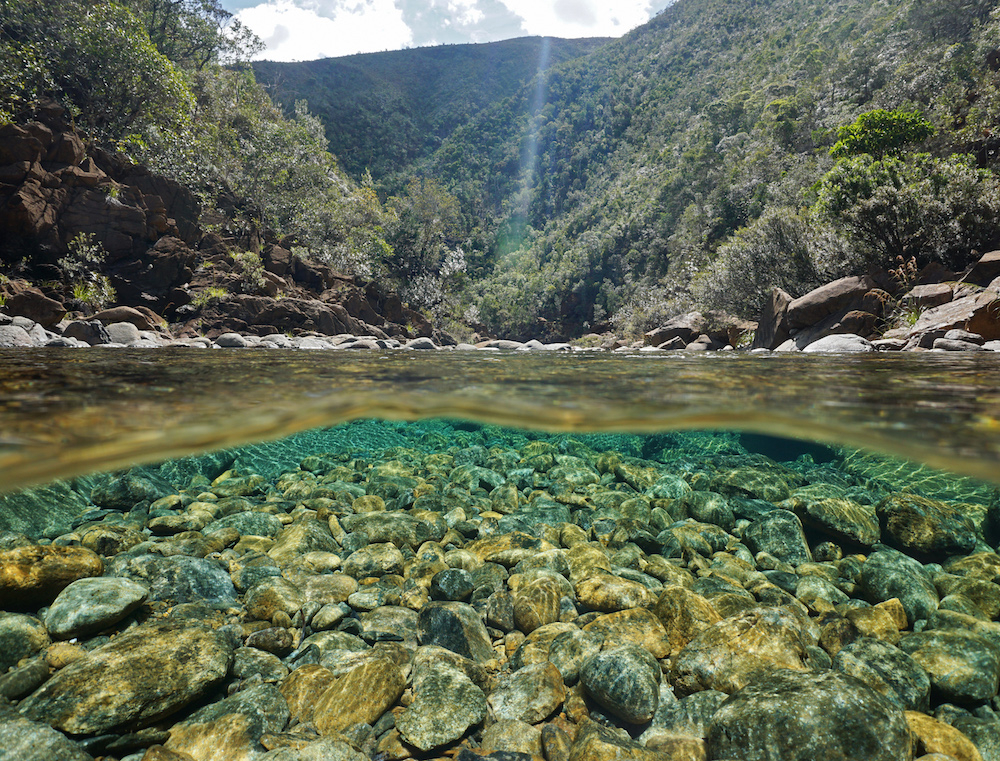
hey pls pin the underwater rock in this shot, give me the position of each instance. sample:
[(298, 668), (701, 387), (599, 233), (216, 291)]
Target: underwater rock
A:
[(231, 729), (888, 573), (933, 736), (608, 593), (803, 716), (89, 605), (530, 694), (963, 667), (142, 675), (21, 636), (595, 742), (512, 736), (32, 576), (625, 680), (887, 670), (536, 604), (779, 534), (34, 741), (335, 702), (736, 651), (457, 627), (446, 703), (513, 583), (179, 579), (684, 616), (926, 528)]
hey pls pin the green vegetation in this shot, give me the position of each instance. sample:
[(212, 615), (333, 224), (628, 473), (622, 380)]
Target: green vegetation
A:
[(208, 296), (881, 133), (383, 111), (724, 148), (81, 268), (916, 206), (251, 271)]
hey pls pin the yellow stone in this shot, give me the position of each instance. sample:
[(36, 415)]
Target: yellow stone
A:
[(933, 736)]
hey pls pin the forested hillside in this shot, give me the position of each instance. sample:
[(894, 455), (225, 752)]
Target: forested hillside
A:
[(725, 147), (383, 111), (689, 163)]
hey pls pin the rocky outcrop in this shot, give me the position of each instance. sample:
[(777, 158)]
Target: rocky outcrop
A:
[(55, 186), (949, 312), (697, 331)]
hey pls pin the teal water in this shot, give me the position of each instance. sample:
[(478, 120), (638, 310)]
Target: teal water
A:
[(874, 424)]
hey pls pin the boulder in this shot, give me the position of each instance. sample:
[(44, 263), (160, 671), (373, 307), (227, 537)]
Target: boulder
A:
[(772, 327), (530, 694), (887, 670), (888, 573), (89, 605), (803, 716), (977, 313), (843, 295), (736, 651), (143, 319), (34, 575), (457, 627), (333, 702), (687, 327), (26, 301), (840, 343), (26, 740), (779, 533), (446, 703), (21, 636), (231, 729), (140, 676), (89, 331), (922, 297), (12, 336), (928, 529), (985, 271), (624, 680), (963, 667)]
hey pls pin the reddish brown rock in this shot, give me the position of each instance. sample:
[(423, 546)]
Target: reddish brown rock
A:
[(977, 313), (142, 317), (985, 271), (928, 296), (840, 296), (26, 301), (18, 144), (66, 148), (772, 327)]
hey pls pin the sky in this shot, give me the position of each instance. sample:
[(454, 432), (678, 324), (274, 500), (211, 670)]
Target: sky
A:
[(304, 30)]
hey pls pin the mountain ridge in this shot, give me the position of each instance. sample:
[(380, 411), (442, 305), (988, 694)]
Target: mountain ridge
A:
[(410, 99)]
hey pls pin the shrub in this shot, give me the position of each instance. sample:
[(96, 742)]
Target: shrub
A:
[(782, 249), (881, 133), (922, 207)]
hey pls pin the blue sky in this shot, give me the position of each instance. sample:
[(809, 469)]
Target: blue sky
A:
[(304, 30)]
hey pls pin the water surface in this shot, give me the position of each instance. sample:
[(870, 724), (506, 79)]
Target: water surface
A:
[(69, 412)]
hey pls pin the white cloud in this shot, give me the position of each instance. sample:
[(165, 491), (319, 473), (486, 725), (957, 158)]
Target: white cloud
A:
[(304, 30), (580, 18), (465, 12)]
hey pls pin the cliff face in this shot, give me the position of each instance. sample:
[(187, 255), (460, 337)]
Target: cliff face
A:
[(54, 188)]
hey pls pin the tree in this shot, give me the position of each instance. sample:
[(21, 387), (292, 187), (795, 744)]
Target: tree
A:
[(194, 33), (96, 58), (922, 207), (881, 133)]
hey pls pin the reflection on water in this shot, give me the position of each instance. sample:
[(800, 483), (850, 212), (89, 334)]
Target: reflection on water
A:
[(65, 413)]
